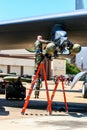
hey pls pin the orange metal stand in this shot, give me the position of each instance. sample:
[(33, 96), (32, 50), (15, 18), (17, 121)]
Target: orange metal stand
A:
[(32, 86), (62, 79)]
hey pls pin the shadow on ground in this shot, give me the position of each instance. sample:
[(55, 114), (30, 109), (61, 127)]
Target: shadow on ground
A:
[(42, 105)]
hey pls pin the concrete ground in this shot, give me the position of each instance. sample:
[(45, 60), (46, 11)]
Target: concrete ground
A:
[(36, 115)]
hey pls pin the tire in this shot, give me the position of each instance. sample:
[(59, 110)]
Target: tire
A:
[(7, 97), (84, 90)]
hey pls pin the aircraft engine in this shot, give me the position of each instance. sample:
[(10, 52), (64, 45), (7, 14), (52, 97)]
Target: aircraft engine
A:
[(62, 44), (50, 48), (67, 47), (76, 49)]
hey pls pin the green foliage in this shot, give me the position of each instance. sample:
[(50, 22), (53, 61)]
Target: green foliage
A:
[(71, 69)]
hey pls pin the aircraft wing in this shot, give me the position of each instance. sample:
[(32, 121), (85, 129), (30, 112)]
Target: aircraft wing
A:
[(15, 77), (22, 33), (10, 78), (77, 77)]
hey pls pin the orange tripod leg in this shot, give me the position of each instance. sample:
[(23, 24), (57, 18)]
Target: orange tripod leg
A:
[(30, 91), (55, 88), (66, 105), (26, 101), (47, 93), (53, 93)]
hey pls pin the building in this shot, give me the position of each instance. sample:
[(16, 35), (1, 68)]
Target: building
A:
[(17, 61), (22, 62)]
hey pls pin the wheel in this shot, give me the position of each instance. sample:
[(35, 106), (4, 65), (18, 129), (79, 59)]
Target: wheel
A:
[(84, 90), (6, 97)]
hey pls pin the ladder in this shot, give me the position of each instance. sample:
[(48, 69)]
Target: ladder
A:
[(62, 79), (49, 108)]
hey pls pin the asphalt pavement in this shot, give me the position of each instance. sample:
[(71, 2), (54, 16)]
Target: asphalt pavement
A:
[(36, 115)]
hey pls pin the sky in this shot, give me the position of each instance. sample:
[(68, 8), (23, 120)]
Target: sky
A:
[(18, 9)]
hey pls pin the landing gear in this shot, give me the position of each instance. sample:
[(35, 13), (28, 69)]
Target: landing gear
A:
[(84, 90)]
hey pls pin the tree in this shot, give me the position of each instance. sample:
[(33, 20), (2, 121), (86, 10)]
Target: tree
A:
[(71, 69)]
